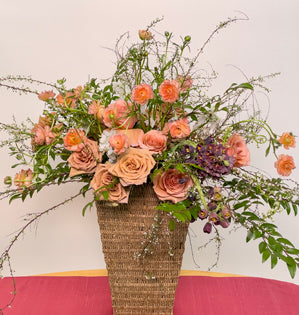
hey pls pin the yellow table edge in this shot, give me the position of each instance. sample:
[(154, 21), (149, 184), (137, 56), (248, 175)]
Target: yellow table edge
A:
[(103, 272)]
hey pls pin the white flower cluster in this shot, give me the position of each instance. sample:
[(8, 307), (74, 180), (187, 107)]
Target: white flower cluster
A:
[(105, 146)]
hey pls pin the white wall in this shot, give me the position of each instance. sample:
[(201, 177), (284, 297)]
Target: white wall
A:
[(53, 39)]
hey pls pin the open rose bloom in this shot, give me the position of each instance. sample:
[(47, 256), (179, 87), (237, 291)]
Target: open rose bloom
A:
[(153, 123)]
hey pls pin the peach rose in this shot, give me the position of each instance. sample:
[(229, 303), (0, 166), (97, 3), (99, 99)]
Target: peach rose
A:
[(142, 93), (238, 149), (23, 179), (287, 140), (172, 185), (132, 134), (86, 160), (42, 135), (46, 95), (154, 141), (179, 128), (103, 181), (97, 110), (145, 35), (119, 143), (185, 82), (284, 165), (133, 166), (119, 114), (74, 140), (169, 91)]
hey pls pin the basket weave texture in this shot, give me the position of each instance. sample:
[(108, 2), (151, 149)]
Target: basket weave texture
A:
[(144, 285)]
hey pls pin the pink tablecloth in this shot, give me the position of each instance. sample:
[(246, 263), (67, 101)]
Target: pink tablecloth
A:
[(195, 295)]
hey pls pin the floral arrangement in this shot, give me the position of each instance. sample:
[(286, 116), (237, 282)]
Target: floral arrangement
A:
[(153, 122)]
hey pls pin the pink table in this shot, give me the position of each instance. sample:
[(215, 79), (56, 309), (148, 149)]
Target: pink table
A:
[(75, 295)]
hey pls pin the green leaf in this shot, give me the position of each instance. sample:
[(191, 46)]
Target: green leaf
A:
[(245, 86), (86, 206), (295, 208), (292, 266), (105, 194), (180, 216), (257, 234), (284, 241), (273, 261), (262, 247), (171, 225), (249, 236), (266, 254), (241, 204), (14, 197), (292, 251)]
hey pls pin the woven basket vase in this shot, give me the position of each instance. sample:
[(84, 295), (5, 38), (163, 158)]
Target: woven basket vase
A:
[(143, 285)]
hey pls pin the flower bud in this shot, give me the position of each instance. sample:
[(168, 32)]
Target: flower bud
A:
[(166, 34), (187, 38), (7, 180), (145, 35), (207, 228)]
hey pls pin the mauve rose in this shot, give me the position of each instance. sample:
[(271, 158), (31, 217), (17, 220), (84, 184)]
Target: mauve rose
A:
[(102, 181), (154, 141), (133, 166), (238, 149), (42, 135), (172, 185), (86, 160)]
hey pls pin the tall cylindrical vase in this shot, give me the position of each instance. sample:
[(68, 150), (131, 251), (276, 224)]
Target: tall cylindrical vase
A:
[(143, 257)]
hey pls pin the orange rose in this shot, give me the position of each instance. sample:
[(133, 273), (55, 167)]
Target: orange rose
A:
[(119, 143), (169, 91), (73, 140), (44, 96), (284, 165), (154, 141), (86, 160), (179, 128), (103, 181), (67, 100), (23, 179), (133, 166), (142, 93), (119, 114), (238, 149), (287, 140), (172, 185)]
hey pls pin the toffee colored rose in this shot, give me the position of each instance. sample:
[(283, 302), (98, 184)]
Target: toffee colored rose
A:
[(154, 141), (103, 181), (74, 140), (119, 143), (133, 166), (46, 95), (86, 160), (238, 149), (179, 128), (169, 91), (142, 93), (172, 185), (287, 140), (284, 165), (23, 179)]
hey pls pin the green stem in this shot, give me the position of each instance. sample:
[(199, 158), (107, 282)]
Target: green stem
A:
[(199, 189)]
